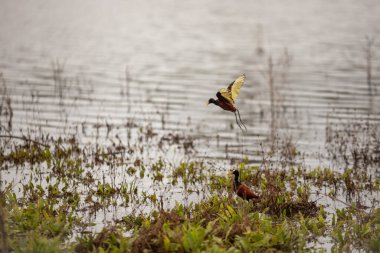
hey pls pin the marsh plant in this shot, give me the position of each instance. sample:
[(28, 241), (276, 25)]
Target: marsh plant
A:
[(189, 206), (365, 60), (356, 143), (6, 110), (60, 81), (369, 49), (277, 77)]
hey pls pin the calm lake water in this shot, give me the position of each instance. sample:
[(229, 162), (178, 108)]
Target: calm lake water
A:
[(96, 68)]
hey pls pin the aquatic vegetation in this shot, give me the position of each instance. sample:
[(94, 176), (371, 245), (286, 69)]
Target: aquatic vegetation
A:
[(66, 185), (356, 144), (6, 110)]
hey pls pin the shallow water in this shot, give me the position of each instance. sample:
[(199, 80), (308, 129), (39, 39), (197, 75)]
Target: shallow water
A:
[(70, 66)]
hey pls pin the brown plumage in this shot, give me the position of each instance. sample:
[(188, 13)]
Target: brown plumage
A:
[(241, 190)]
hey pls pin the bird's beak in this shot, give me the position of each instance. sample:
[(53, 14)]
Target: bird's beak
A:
[(207, 103)]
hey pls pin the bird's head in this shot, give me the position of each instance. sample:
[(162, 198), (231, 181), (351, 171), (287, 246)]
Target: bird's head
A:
[(236, 173), (211, 101)]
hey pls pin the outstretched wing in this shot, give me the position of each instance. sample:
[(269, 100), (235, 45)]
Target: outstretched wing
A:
[(225, 94), (234, 87)]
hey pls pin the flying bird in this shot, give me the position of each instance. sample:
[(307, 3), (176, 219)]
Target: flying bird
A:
[(242, 190), (227, 97)]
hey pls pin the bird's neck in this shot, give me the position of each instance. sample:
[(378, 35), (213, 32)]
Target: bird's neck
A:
[(236, 183)]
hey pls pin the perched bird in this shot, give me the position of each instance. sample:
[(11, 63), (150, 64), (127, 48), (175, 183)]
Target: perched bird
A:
[(227, 97), (242, 190)]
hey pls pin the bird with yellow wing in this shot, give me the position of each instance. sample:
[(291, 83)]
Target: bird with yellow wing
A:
[(227, 97)]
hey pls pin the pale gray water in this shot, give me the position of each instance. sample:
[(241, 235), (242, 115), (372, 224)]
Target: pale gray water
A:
[(177, 54)]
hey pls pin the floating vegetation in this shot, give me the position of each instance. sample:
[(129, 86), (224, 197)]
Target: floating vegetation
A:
[(53, 205)]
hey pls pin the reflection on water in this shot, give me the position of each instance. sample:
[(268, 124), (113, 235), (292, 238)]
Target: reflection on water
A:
[(68, 70)]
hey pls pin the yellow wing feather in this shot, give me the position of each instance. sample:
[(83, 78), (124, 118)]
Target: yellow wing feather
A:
[(235, 87), (226, 94), (233, 90)]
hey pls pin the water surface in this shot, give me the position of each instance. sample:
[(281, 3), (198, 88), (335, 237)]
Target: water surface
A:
[(92, 68)]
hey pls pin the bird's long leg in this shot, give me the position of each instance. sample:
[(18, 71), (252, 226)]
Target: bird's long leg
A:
[(241, 120), (238, 122)]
